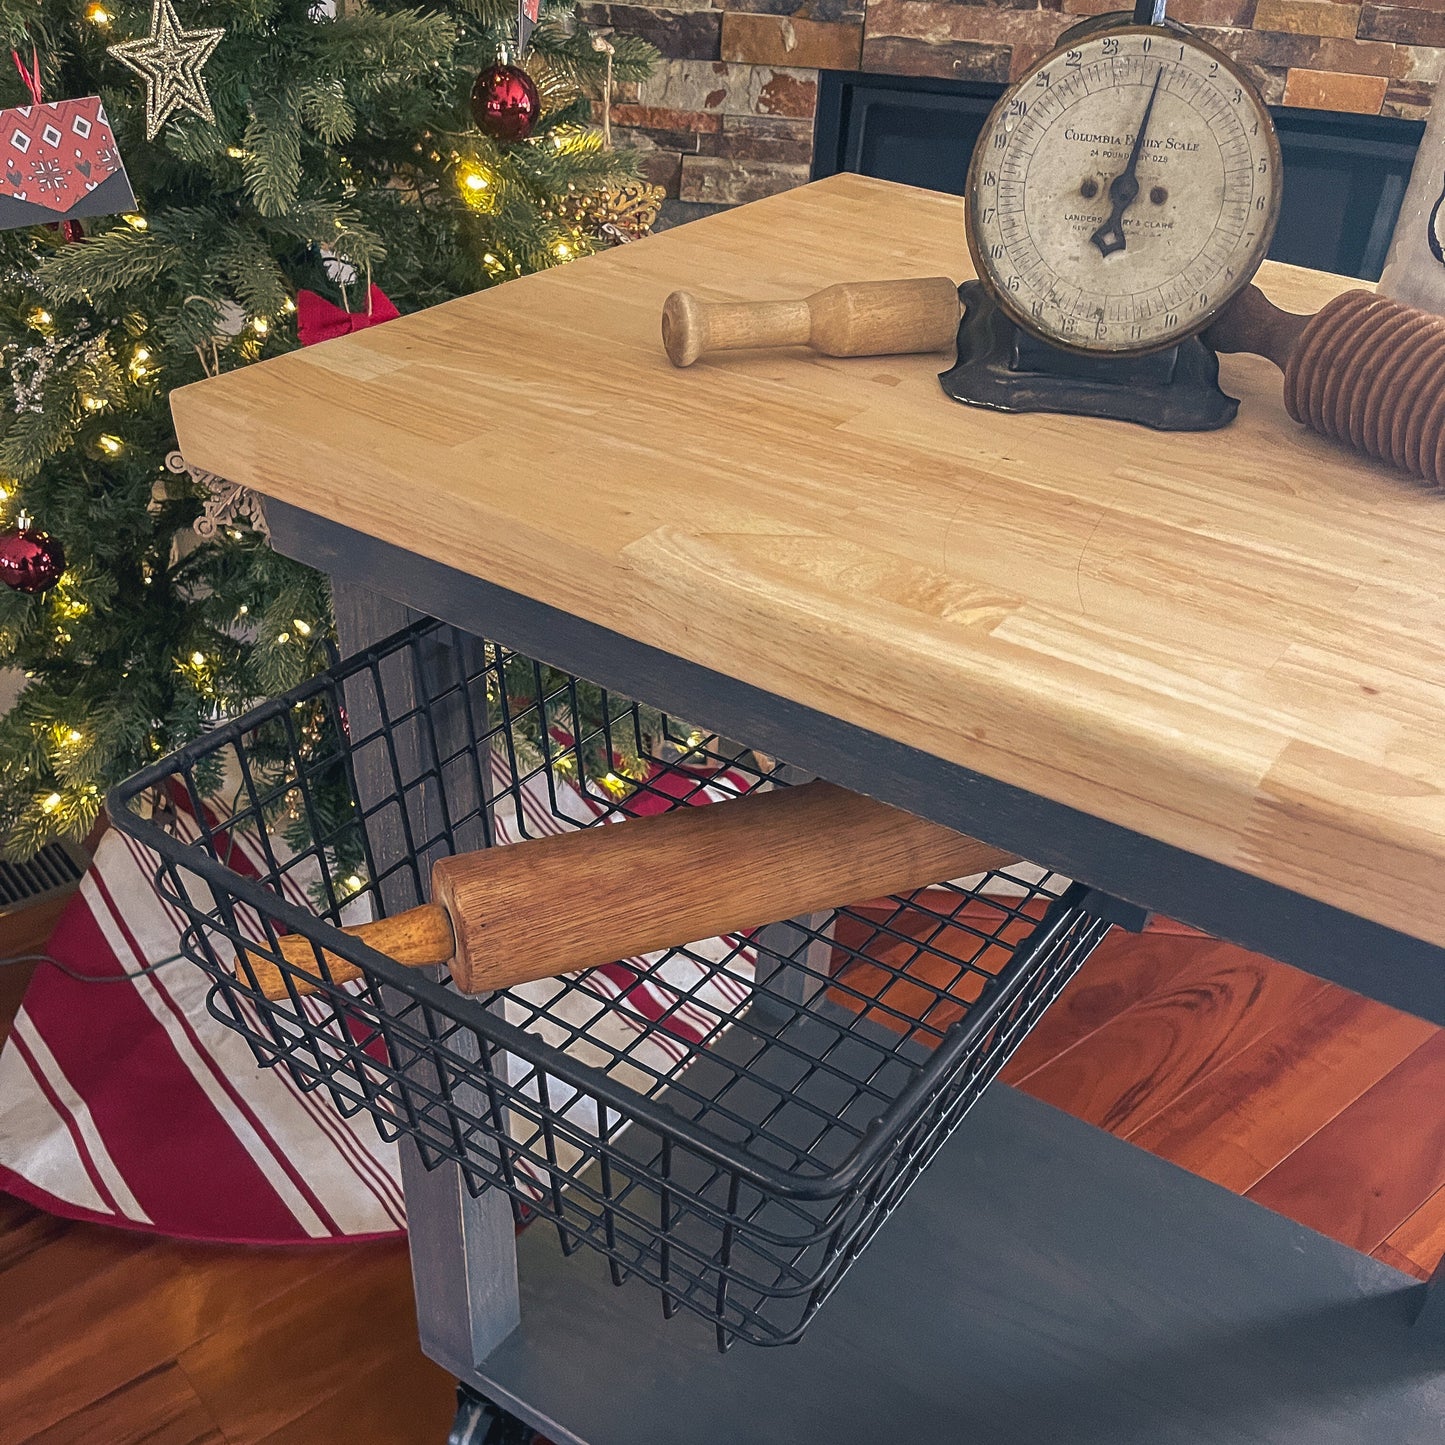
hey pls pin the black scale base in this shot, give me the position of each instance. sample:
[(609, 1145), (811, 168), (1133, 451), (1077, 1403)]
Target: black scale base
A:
[(1003, 368)]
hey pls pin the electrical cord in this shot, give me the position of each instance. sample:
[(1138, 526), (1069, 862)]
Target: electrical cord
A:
[(150, 968), (70, 973)]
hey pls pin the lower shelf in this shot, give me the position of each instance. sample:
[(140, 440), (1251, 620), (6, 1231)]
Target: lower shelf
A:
[(1043, 1282)]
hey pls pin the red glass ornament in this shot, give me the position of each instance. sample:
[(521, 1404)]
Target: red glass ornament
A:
[(505, 103), (30, 561)]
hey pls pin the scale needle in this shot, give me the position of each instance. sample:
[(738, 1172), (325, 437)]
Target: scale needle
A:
[(1124, 188)]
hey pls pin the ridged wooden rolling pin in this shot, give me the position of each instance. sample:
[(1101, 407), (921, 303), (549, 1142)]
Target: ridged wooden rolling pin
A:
[(508, 915), (857, 318), (1365, 370)]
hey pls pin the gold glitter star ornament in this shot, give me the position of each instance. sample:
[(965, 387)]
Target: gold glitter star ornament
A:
[(169, 60)]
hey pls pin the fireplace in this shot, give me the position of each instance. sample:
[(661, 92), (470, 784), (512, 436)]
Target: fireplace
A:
[(1344, 175)]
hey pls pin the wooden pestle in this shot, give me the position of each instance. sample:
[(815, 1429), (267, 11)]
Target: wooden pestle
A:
[(1364, 369), (529, 910), (857, 318)]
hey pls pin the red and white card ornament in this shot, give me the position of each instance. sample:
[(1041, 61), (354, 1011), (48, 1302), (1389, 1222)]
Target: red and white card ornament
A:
[(58, 161), (527, 13)]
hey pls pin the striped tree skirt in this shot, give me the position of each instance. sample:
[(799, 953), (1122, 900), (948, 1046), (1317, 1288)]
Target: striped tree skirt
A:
[(128, 1104)]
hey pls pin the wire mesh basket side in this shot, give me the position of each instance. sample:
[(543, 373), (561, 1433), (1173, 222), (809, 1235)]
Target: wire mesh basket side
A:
[(733, 1120)]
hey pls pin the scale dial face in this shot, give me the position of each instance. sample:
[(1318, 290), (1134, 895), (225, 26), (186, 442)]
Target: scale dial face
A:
[(1123, 191)]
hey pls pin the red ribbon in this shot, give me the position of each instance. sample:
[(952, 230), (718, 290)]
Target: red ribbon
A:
[(318, 320), (71, 230), (31, 77)]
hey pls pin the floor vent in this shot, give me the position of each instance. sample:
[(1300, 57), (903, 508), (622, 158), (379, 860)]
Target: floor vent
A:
[(56, 867)]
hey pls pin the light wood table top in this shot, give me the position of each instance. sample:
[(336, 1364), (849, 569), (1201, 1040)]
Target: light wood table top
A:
[(1233, 642)]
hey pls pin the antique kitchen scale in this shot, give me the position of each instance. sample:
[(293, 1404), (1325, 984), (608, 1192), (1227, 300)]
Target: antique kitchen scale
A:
[(1120, 199), (1120, 196)]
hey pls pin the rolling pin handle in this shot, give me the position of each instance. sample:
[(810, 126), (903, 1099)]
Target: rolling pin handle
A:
[(1252, 322), (418, 938), (683, 328), (691, 327)]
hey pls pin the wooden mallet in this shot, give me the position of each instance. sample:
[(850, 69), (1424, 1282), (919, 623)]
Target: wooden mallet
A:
[(1365, 370), (534, 909)]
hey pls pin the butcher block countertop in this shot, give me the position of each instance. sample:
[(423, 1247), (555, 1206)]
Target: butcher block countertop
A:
[(1233, 642)]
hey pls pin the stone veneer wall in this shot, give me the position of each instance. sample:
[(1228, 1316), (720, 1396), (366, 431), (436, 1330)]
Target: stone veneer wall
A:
[(728, 117)]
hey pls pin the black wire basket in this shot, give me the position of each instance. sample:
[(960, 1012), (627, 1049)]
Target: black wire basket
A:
[(730, 1121)]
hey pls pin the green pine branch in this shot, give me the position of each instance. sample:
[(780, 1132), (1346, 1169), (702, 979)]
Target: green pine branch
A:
[(108, 263), (334, 140)]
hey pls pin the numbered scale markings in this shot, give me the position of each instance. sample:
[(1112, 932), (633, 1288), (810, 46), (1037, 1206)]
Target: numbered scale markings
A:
[(1124, 191)]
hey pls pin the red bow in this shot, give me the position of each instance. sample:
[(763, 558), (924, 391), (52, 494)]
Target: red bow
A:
[(318, 320)]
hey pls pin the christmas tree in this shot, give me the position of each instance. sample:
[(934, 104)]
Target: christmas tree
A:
[(280, 153)]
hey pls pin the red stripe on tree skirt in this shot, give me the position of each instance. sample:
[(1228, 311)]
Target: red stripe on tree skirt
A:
[(231, 1088), (178, 1156)]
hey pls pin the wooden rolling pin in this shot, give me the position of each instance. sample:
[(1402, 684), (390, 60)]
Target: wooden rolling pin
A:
[(859, 318), (504, 916)]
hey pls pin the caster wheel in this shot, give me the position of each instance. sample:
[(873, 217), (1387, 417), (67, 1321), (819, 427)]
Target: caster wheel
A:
[(479, 1422)]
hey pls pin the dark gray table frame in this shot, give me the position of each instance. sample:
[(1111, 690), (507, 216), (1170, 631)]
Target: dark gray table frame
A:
[(1379, 962), (547, 1344)]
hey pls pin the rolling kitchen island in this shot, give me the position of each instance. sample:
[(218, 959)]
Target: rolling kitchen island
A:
[(1203, 674)]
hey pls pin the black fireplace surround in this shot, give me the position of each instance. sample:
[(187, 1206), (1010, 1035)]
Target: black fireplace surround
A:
[(1344, 175)]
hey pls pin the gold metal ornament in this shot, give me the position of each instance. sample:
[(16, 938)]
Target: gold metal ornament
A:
[(624, 213), (169, 60)]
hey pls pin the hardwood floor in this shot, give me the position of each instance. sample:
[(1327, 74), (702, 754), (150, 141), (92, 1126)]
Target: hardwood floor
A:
[(115, 1338), (20, 933), (1312, 1101)]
